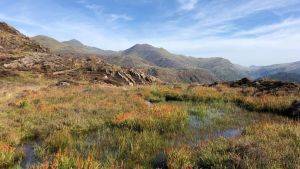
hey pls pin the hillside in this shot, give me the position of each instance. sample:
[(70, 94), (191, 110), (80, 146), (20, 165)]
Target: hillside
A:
[(12, 41), (286, 77), (261, 71), (72, 46), (19, 53)]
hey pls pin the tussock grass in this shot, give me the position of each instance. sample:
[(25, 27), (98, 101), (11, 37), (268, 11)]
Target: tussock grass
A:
[(9, 156), (277, 104), (262, 146)]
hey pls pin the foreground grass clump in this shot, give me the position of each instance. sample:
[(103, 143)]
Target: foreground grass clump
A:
[(9, 156), (262, 146), (66, 161), (160, 118)]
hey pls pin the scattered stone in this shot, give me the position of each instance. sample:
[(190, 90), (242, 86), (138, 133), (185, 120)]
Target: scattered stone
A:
[(7, 73), (63, 83)]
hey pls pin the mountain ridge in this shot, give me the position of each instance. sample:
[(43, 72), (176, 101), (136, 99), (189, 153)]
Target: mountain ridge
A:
[(148, 57), (71, 46)]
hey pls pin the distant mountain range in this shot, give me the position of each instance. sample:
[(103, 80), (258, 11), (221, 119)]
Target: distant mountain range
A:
[(286, 77), (170, 67)]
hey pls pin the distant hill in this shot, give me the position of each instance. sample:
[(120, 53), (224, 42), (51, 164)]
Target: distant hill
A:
[(183, 75), (261, 71), (284, 72), (286, 77), (222, 68), (72, 46)]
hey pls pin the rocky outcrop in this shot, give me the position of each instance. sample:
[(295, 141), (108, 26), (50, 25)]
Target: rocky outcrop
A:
[(266, 85), (6, 28)]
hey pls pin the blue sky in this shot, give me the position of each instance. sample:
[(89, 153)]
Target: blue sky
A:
[(248, 32)]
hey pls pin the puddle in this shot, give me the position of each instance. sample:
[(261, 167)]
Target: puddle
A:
[(30, 157), (230, 133), (202, 130)]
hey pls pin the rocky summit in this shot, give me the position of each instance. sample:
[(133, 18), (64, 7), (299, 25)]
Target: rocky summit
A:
[(20, 53)]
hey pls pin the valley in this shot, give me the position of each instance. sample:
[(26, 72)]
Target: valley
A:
[(67, 105)]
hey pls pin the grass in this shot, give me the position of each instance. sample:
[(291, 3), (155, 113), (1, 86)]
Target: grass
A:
[(97, 126), (9, 156), (247, 100), (262, 146)]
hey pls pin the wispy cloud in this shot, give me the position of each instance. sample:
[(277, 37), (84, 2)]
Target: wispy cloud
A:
[(115, 17), (91, 6), (217, 12), (287, 24), (187, 5), (100, 10)]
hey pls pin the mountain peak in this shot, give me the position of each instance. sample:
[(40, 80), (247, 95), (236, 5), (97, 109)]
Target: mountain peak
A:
[(143, 48), (4, 27), (73, 42)]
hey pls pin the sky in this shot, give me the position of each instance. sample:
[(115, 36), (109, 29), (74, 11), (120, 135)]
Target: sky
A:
[(247, 32)]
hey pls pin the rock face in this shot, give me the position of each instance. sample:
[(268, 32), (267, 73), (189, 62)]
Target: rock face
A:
[(19, 53)]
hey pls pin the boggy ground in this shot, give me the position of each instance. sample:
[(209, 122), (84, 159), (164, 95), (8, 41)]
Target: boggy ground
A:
[(100, 126)]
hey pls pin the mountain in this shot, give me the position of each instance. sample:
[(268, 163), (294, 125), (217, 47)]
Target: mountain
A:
[(284, 72), (67, 47), (146, 57), (222, 68), (73, 42), (19, 53), (172, 67), (261, 71), (183, 75), (285, 77)]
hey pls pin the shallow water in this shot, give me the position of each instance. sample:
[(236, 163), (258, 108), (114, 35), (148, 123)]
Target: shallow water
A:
[(30, 157), (199, 130)]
